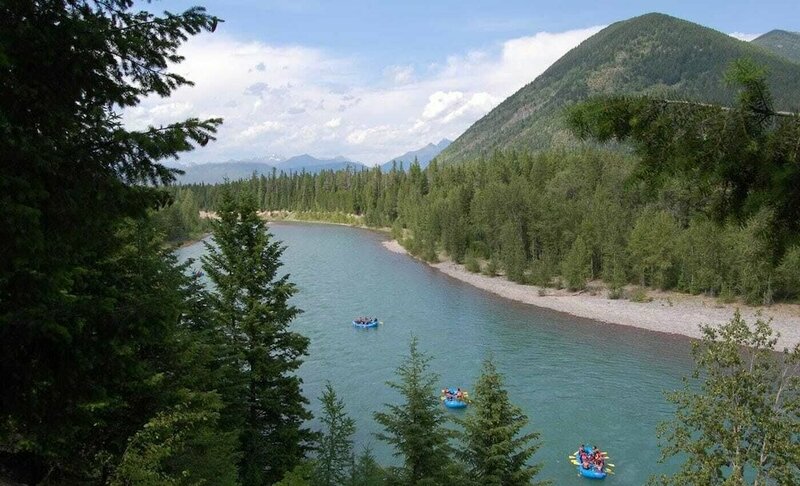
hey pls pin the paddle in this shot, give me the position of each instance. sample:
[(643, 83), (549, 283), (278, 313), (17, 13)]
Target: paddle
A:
[(576, 463)]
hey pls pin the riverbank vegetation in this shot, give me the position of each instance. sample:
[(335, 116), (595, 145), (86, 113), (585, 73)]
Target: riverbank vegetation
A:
[(180, 221), (706, 203)]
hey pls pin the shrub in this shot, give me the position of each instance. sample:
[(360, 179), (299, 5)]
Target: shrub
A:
[(640, 295), (472, 264)]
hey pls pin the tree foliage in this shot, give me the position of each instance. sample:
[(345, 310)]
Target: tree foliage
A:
[(525, 214), (251, 301), (416, 427), (160, 453), (334, 461), (741, 425), (741, 159), (83, 337), (496, 450)]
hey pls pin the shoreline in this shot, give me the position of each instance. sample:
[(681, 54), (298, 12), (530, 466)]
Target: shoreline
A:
[(668, 312), (281, 216)]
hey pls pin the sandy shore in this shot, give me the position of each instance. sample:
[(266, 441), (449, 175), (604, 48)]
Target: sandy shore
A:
[(668, 312)]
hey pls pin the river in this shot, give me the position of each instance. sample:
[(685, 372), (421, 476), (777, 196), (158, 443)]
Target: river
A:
[(577, 380)]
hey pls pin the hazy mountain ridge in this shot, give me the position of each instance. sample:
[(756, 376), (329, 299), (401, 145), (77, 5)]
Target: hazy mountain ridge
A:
[(651, 54), (309, 163), (783, 43), (214, 173), (423, 155)]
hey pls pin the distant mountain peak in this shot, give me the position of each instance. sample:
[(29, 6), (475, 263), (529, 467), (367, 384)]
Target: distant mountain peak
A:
[(423, 155), (781, 42), (651, 54), (309, 163)]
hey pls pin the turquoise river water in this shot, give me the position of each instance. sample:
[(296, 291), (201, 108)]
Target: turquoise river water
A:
[(577, 380)]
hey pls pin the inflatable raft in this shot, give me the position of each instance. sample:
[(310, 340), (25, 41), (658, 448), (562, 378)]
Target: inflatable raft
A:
[(455, 402), (590, 473), (372, 323)]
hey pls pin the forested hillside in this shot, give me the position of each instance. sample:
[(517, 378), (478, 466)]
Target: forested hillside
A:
[(654, 53), (782, 43)]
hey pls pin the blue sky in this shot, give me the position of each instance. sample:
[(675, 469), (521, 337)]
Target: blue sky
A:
[(371, 80)]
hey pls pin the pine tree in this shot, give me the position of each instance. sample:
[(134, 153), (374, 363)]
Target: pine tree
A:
[(652, 248), (251, 301), (512, 252), (366, 470), (495, 450), (416, 427), (576, 266), (335, 450), (182, 445), (86, 320)]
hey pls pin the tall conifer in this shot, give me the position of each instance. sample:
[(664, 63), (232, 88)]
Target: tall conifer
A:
[(495, 449), (416, 427), (251, 301)]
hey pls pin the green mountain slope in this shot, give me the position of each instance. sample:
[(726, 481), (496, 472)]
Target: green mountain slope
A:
[(654, 54), (782, 43)]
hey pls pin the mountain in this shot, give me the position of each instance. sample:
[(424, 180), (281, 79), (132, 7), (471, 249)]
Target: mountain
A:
[(233, 170), (423, 156), (217, 172), (782, 43), (652, 54), (308, 163)]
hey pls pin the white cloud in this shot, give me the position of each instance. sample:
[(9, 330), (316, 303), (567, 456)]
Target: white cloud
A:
[(170, 109), (293, 99), (400, 74), (743, 36), (259, 129), (441, 101), (477, 105)]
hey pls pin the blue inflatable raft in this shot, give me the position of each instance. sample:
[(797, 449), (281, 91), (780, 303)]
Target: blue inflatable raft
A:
[(455, 402), (372, 323), (590, 473)]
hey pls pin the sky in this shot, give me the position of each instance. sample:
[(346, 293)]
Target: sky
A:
[(371, 80)]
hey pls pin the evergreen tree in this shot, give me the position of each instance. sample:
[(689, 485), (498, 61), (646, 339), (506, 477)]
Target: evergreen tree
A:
[(700, 224), (251, 301), (576, 266), (165, 451), (87, 309), (652, 247), (512, 252), (335, 451), (495, 450), (366, 470), (740, 425), (415, 428)]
